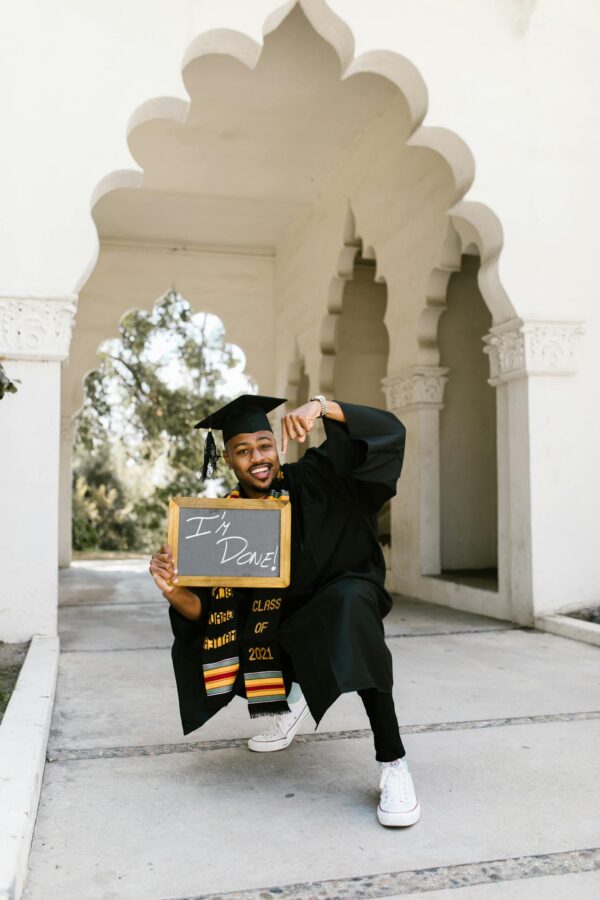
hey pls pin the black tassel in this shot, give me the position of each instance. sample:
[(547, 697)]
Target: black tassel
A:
[(211, 457)]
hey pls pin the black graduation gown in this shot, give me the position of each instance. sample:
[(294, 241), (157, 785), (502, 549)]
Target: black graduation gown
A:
[(331, 631)]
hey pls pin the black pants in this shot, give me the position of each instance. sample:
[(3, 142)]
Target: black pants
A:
[(384, 724)]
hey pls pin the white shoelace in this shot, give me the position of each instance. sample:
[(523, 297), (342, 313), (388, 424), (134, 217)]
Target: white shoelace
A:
[(395, 786), (276, 731), (283, 722)]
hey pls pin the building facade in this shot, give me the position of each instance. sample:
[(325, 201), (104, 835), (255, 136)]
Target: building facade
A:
[(390, 204)]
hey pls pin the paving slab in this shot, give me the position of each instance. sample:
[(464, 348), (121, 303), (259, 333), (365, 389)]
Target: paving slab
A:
[(579, 886), (88, 582), (127, 626), (411, 616), (121, 698), (179, 825)]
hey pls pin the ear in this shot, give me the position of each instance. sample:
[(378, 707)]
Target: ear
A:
[(227, 459)]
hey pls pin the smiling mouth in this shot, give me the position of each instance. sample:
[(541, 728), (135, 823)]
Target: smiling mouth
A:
[(261, 472)]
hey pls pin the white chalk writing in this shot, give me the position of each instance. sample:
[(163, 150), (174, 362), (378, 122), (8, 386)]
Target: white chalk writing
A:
[(235, 547)]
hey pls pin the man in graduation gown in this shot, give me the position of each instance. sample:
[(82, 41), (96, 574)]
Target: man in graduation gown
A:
[(325, 631)]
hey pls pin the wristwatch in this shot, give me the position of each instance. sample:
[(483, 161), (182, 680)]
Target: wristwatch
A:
[(323, 402)]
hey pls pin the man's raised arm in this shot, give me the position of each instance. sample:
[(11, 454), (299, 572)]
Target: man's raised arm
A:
[(364, 443), (297, 424)]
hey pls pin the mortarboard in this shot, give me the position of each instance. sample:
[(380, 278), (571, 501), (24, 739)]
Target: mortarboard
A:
[(245, 414)]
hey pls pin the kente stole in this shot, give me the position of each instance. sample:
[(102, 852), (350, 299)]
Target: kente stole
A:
[(255, 652)]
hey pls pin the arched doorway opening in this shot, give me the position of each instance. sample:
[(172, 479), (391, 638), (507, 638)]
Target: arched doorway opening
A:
[(468, 468), (362, 340), (131, 445)]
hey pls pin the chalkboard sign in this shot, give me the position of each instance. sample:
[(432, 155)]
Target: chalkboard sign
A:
[(231, 542)]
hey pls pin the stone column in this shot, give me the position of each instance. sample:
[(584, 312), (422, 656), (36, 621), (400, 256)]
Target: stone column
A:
[(416, 395), (35, 334), (520, 350), (65, 499)]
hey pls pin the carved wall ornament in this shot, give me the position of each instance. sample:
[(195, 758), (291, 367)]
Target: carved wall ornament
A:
[(36, 327), (532, 347), (417, 387)]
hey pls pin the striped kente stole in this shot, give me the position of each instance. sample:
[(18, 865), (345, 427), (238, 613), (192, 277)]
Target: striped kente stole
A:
[(252, 655)]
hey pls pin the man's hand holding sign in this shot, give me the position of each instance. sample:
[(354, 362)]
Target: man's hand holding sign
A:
[(162, 569)]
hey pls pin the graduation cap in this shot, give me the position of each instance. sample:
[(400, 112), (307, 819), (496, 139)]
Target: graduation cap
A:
[(243, 415)]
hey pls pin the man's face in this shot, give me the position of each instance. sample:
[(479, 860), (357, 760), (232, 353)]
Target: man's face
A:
[(254, 459)]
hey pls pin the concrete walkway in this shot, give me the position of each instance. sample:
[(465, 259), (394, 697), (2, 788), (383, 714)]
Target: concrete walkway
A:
[(501, 726)]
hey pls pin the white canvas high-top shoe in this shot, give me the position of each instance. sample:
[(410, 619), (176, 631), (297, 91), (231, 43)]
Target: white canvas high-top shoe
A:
[(284, 728), (398, 804)]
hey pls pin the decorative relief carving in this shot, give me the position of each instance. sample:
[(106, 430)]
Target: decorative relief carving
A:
[(417, 387), (520, 347), (36, 327)]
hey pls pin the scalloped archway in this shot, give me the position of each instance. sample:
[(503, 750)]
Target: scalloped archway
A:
[(69, 427), (245, 190)]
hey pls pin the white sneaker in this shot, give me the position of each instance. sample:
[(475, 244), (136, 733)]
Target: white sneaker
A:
[(283, 731), (398, 804)]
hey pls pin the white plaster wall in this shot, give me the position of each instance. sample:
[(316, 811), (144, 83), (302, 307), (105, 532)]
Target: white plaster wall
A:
[(72, 75), (565, 496), (521, 89), (298, 392), (29, 421), (65, 499)]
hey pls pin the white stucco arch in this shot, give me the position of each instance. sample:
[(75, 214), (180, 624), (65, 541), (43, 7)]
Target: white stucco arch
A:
[(390, 66), (423, 146)]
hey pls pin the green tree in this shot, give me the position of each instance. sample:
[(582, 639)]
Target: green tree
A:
[(6, 385), (102, 514), (164, 372)]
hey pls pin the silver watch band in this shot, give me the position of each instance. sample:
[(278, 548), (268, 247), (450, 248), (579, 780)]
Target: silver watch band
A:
[(324, 406)]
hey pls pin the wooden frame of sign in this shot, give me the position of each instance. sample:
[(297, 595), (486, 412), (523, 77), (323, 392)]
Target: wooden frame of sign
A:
[(258, 560)]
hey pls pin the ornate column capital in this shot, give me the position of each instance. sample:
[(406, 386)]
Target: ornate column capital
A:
[(416, 387), (524, 347), (36, 328)]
